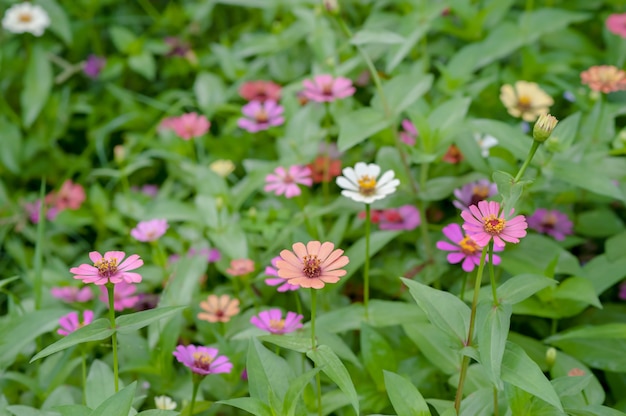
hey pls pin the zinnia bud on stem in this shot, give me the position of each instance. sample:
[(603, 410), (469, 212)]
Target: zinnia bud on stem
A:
[(543, 127), (331, 6)]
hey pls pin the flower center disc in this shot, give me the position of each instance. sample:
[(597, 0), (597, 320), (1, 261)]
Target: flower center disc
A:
[(277, 324), (367, 185), (25, 18), (261, 116), (493, 225), (106, 268), (202, 360), (312, 268), (479, 193), (524, 102), (468, 245)]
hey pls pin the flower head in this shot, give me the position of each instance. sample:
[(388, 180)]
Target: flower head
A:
[(240, 267), (453, 155), (474, 192), (261, 115), (188, 125), (93, 65), (622, 291), (109, 268), (325, 88), (283, 285), (177, 47), (361, 183), (604, 78), (164, 403), (464, 248), (285, 181), (149, 230), (33, 209), (222, 167), (70, 196), (124, 296), (70, 322), (218, 308), (407, 217), (324, 168), (551, 222), (312, 265), (485, 142), (525, 100), (273, 322), (544, 127), (202, 360), (72, 294), (484, 222), (409, 134), (616, 23), (260, 91), (25, 17)]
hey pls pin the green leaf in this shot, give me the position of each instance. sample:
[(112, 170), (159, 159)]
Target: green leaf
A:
[(449, 115), (59, 23), (118, 404), (436, 346), (603, 273), (268, 374), (479, 403), (508, 189), (100, 384), (122, 38), (137, 320), (332, 366), (96, 331), (522, 286), (358, 125), (297, 344), (577, 289), (378, 240), (492, 331), (21, 410), (250, 405), (378, 355), (210, 92), (614, 247), (521, 371), (602, 222), (158, 412), (72, 410), (143, 64), (535, 253), (444, 310), (402, 91), (37, 84), (365, 36), (570, 386), (296, 387), (405, 398)]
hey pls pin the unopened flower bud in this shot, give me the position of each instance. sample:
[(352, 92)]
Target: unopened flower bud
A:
[(543, 127), (550, 357), (119, 154), (331, 6)]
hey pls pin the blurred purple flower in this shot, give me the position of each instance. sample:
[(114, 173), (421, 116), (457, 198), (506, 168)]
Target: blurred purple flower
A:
[(551, 222), (33, 208), (283, 285), (409, 134), (123, 297), (286, 181), (464, 248), (474, 192), (407, 217), (273, 322), (212, 254), (202, 360), (622, 290), (93, 65), (71, 294), (261, 116), (325, 88), (70, 322), (149, 230)]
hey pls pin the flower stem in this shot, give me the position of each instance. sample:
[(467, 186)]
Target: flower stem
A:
[(298, 302), (313, 308), (196, 383), (495, 401), (84, 372), (38, 261), (492, 276), (470, 334), (533, 149), (111, 291), (366, 268)]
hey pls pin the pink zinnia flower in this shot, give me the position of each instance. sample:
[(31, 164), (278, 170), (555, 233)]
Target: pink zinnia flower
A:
[(464, 248), (283, 285), (260, 91), (149, 230), (188, 125), (407, 217), (312, 265), (484, 222), (202, 360), (71, 195), (33, 208), (109, 268), (551, 222), (325, 88), (70, 323), (604, 78), (123, 296), (273, 322), (240, 267), (72, 294), (218, 308), (261, 115), (285, 181), (474, 192), (616, 23), (409, 134)]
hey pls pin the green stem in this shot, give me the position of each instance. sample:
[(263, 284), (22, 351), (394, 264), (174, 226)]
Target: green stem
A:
[(318, 382), (533, 149), (492, 276), (196, 383), (463, 284), (298, 302), (470, 334), (38, 261), (366, 267), (84, 373), (495, 401), (111, 292), (313, 309)]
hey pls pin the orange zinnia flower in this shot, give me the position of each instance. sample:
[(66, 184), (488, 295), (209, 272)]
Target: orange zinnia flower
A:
[(218, 308), (312, 265)]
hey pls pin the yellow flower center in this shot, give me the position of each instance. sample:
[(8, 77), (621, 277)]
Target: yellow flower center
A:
[(202, 360), (493, 225), (311, 268), (468, 245), (25, 18), (261, 116), (367, 185), (106, 268), (524, 102), (479, 193), (277, 325)]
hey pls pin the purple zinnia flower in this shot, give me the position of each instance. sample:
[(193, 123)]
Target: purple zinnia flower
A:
[(273, 322), (325, 88), (261, 115), (283, 285), (93, 65), (407, 217), (464, 248), (70, 322), (202, 360), (474, 192), (149, 230), (285, 181), (551, 222), (124, 296), (409, 134), (71, 294)]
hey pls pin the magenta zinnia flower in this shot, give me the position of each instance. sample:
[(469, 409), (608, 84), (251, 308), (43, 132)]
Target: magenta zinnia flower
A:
[(273, 322), (260, 91), (409, 134), (325, 88), (71, 294), (406, 217), (474, 192), (312, 265), (123, 296), (202, 360), (616, 23), (93, 65), (464, 248), (285, 181), (261, 116), (188, 125), (109, 268), (70, 323), (149, 230), (551, 222), (485, 222), (283, 285)]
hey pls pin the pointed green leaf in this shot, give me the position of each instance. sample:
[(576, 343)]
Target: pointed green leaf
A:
[(577, 289), (296, 387), (492, 332), (73, 410), (405, 398), (250, 405), (37, 84), (59, 23), (356, 126), (364, 37), (297, 344), (100, 384), (137, 320), (332, 366), (267, 373), (479, 403), (158, 412), (438, 347), (377, 355), (521, 287), (118, 404)]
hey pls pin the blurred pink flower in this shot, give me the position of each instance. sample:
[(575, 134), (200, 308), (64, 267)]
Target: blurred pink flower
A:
[(109, 268), (325, 88), (484, 222), (261, 116), (464, 248), (474, 192), (283, 285), (218, 308), (260, 91), (93, 65), (576, 372), (407, 217), (286, 182), (202, 360), (273, 322), (71, 294), (622, 291), (240, 267), (71, 195), (212, 254), (409, 134), (312, 265), (123, 296), (188, 125), (32, 209), (70, 322), (604, 78), (149, 230), (551, 222), (616, 23)]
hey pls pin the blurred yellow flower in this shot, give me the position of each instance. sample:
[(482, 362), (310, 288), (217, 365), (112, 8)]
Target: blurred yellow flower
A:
[(525, 100), (222, 167)]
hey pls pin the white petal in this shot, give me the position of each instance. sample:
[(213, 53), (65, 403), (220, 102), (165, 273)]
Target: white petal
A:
[(350, 174), (373, 170), (361, 169), (355, 196), (346, 184), (387, 177)]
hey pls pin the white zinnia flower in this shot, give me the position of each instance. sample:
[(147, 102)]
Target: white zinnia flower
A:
[(485, 143), (164, 403), (26, 17), (361, 184)]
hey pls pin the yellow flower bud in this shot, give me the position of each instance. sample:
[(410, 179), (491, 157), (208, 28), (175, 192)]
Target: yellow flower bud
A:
[(543, 127)]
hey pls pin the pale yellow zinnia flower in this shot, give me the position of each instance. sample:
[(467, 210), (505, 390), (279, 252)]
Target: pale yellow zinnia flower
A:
[(222, 167), (525, 100)]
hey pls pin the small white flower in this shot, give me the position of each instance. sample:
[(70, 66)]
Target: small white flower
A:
[(164, 403), (485, 143), (26, 17), (361, 183), (222, 167)]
